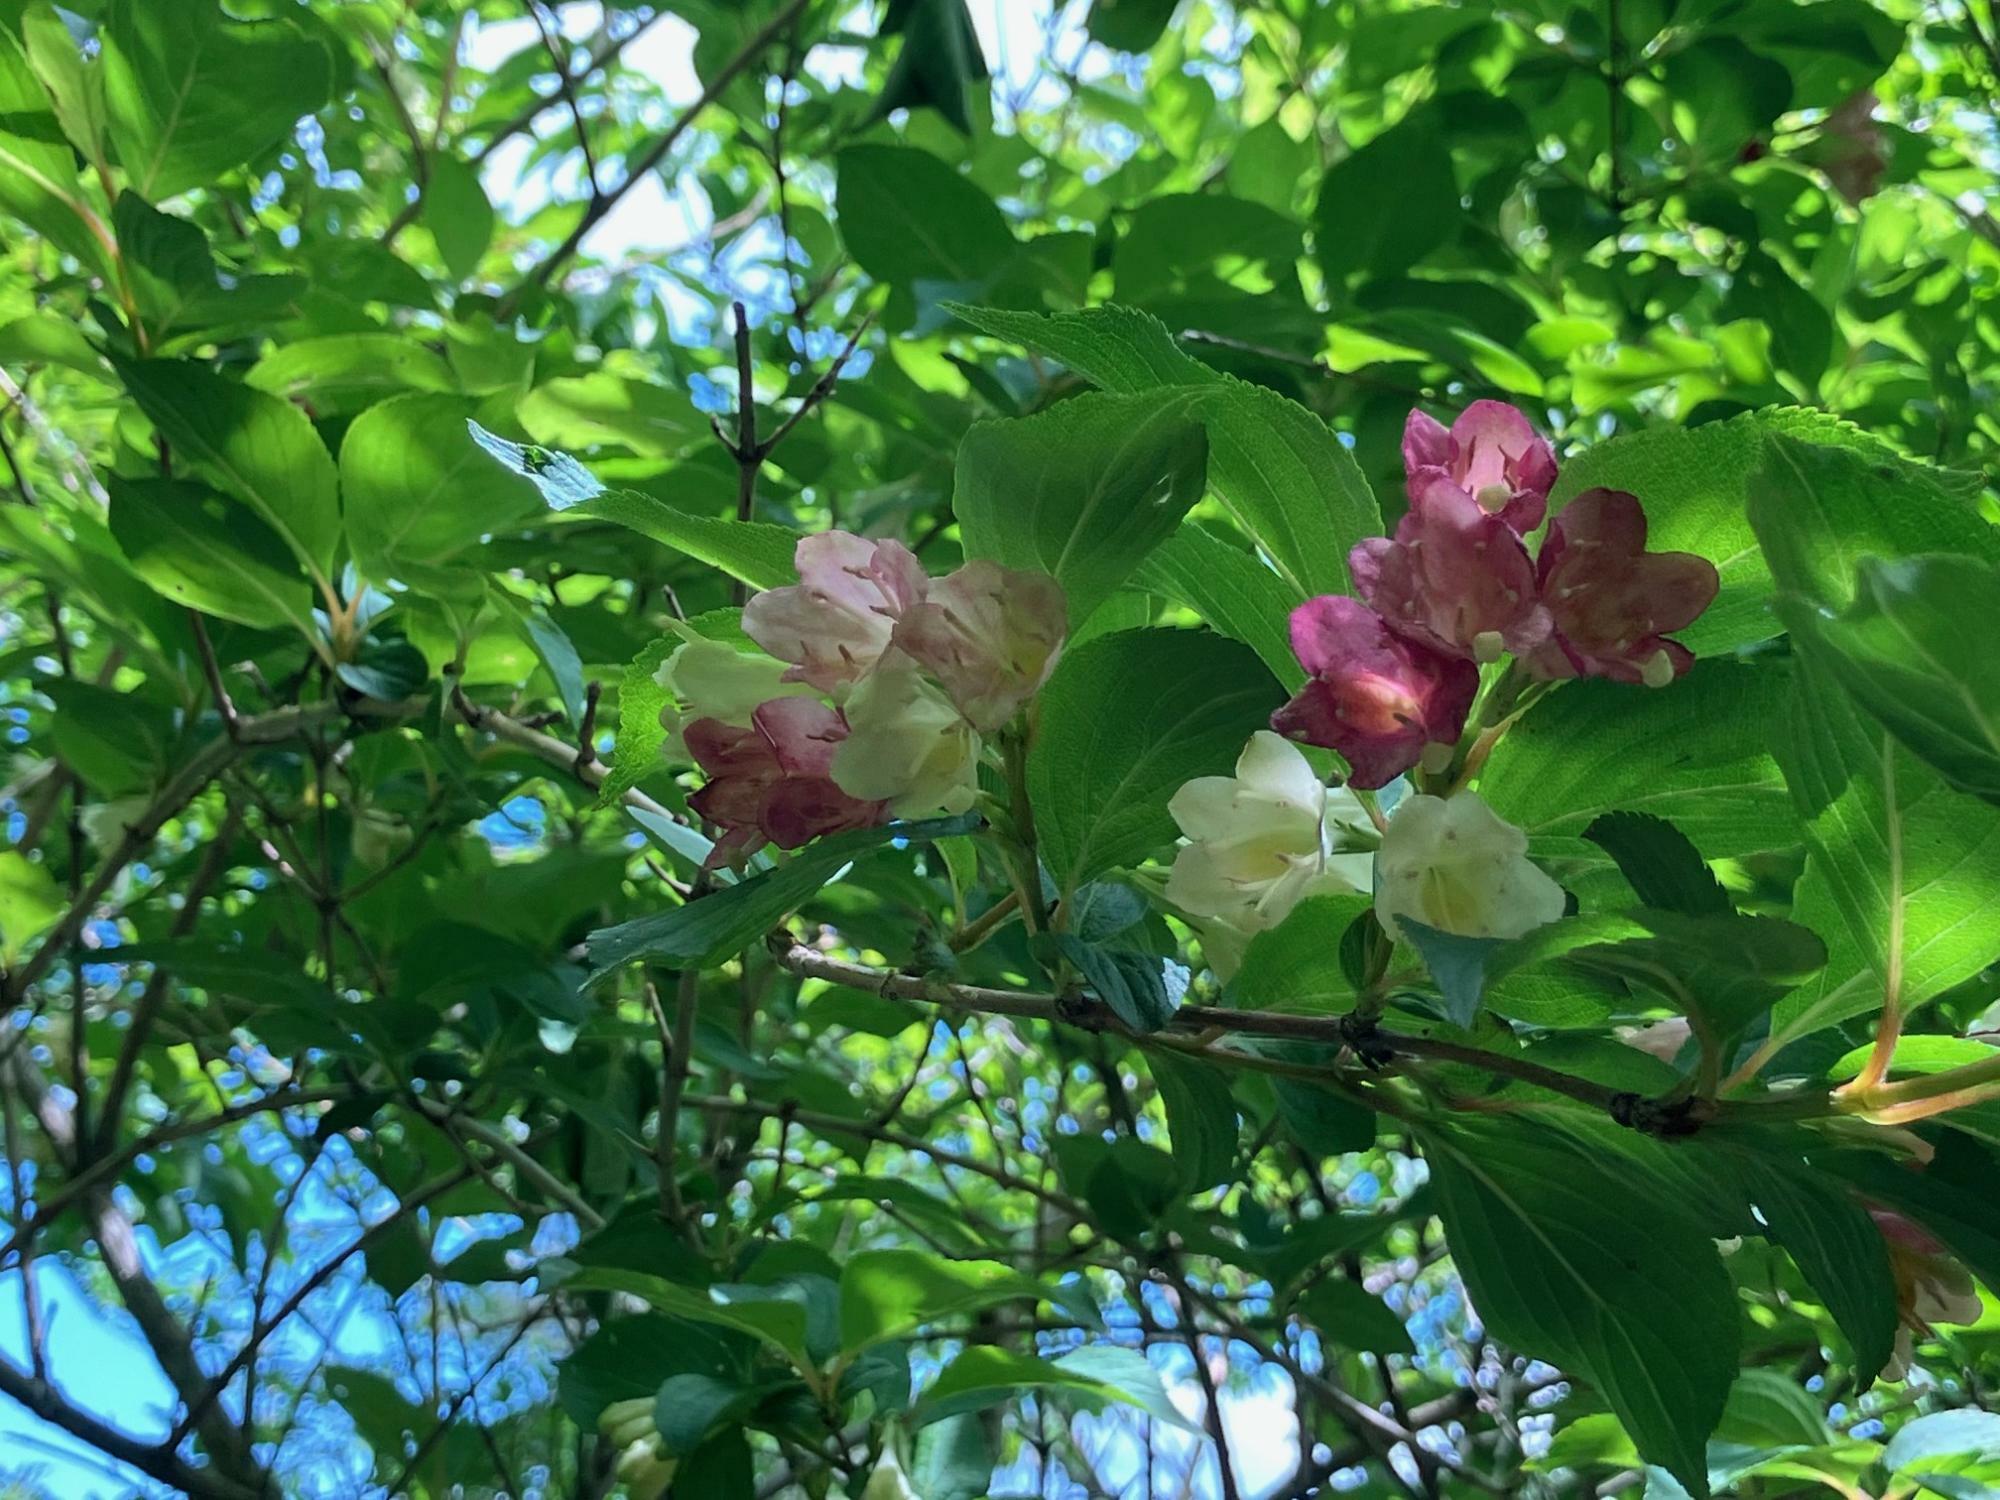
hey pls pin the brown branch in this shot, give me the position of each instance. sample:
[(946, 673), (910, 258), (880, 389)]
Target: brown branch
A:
[(601, 204)]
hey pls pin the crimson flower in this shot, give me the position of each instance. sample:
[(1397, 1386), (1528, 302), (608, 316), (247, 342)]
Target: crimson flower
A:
[(1611, 600), (773, 782), (1491, 452), (1455, 578), (1375, 697)]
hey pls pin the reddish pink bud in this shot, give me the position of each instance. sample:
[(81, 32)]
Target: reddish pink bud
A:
[(836, 621), (1492, 453), (1454, 578), (773, 782), (1376, 698), (1612, 601), (990, 635)]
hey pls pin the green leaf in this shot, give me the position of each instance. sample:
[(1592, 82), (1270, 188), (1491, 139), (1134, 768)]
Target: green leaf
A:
[(190, 95), (209, 553), (261, 450), (1279, 471), (1838, 1250), (1182, 236), (1694, 753), (1296, 966), (722, 923), (1576, 1264), (1231, 589), (1132, 983), (1903, 651), (1125, 720), (890, 1294), (907, 217), (939, 63), (558, 654), (457, 214), (75, 88), (1660, 864), (30, 902), (1129, 25), (773, 1321), (953, 1460), (1089, 1379), (1898, 869), (1320, 1119), (1699, 484), (1082, 492), (1348, 1316), (691, 1404), (418, 492), (583, 411), (1201, 1118), (340, 374), (1944, 1441), (1388, 205), (37, 167), (1457, 966), (754, 551)]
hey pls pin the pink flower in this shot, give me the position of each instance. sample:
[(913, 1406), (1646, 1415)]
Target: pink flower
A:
[(773, 782), (836, 621), (1611, 600), (1492, 453), (1376, 698), (990, 635), (1455, 578)]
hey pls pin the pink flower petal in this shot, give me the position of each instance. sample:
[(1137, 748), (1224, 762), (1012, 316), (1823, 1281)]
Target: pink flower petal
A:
[(1492, 453), (1612, 601), (989, 635), (1454, 578), (836, 621), (1376, 698)]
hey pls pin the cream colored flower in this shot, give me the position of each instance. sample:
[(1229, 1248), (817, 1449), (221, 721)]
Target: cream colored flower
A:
[(1452, 864), (1260, 841), (906, 744)]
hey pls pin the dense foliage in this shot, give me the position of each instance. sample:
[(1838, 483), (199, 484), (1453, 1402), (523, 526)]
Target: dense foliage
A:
[(761, 750)]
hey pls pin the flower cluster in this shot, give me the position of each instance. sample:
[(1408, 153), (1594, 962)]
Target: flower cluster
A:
[(876, 685), (1456, 587)]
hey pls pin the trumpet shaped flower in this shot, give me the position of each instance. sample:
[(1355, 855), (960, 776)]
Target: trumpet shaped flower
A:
[(1375, 697), (990, 635), (1610, 600), (906, 744), (1261, 841), (835, 623), (1454, 578), (1454, 864), (773, 781), (1491, 453)]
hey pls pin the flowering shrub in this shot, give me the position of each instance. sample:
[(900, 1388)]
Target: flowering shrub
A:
[(744, 764)]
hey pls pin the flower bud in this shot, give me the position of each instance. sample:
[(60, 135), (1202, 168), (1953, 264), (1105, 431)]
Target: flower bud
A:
[(1453, 864), (1931, 1286), (1375, 697)]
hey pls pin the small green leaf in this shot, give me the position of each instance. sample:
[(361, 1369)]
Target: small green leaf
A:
[(1090, 1379), (890, 1294), (1201, 1118), (1408, 165), (908, 217), (1296, 966), (1659, 863), (1133, 984), (209, 553), (30, 902), (1349, 1316)]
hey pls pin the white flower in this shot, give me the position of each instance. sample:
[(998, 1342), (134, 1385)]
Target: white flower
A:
[(1661, 1039), (1260, 841), (906, 744), (1452, 864)]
